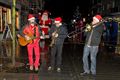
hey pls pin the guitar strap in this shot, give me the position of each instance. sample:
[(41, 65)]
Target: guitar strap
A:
[(35, 32)]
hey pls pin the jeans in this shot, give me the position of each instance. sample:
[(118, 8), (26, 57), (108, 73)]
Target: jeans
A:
[(92, 51)]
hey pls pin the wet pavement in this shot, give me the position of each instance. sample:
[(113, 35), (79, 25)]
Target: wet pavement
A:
[(108, 66)]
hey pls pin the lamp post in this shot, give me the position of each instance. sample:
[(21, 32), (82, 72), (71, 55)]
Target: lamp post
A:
[(13, 31)]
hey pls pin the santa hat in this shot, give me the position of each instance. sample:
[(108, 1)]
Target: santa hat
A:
[(45, 12), (58, 20), (97, 18), (31, 16)]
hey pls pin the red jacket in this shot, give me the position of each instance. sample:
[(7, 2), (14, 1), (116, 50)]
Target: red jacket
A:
[(47, 22), (31, 31), (45, 30)]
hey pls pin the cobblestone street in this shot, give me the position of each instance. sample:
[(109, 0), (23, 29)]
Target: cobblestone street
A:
[(108, 67)]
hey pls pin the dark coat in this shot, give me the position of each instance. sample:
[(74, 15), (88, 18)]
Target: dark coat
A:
[(62, 34), (96, 35)]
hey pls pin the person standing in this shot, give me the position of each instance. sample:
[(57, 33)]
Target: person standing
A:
[(44, 19), (58, 33), (29, 31), (45, 23), (93, 38)]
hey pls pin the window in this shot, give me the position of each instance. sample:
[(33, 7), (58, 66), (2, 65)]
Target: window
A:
[(5, 18), (17, 20)]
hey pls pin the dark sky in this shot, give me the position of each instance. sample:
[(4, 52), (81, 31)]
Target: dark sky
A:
[(66, 8)]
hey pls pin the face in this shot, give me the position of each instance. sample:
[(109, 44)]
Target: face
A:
[(94, 21), (32, 21), (45, 16), (57, 24)]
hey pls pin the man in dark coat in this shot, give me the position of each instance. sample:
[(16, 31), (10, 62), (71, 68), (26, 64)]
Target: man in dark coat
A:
[(58, 33), (93, 38)]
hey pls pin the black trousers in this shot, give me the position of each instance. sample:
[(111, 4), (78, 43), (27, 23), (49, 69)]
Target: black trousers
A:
[(56, 55)]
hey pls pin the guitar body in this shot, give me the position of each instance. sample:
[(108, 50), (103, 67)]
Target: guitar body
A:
[(23, 42)]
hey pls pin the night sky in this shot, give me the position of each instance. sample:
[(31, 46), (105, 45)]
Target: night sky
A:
[(66, 8)]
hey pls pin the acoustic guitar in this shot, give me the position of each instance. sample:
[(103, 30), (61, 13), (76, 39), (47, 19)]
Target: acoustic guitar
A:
[(23, 42)]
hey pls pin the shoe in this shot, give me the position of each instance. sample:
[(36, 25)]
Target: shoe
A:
[(58, 69), (94, 75), (84, 74), (50, 68), (36, 68), (31, 67)]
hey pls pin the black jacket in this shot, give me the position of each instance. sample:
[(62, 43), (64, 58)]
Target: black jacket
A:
[(96, 35), (62, 34)]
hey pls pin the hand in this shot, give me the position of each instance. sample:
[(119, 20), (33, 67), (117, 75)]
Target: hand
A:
[(42, 37), (47, 36), (56, 35), (18, 35), (27, 37), (53, 34)]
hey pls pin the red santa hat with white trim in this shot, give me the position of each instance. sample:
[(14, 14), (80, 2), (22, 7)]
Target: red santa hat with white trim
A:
[(97, 18), (31, 16), (58, 20)]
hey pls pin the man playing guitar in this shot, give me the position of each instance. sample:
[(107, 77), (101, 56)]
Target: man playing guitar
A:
[(28, 32)]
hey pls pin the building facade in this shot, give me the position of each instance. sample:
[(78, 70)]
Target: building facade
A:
[(6, 13), (105, 7)]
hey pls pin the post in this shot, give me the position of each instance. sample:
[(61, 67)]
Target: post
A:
[(13, 31), (117, 50)]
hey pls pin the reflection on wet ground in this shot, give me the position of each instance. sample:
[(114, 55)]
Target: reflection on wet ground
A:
[(108, 66)]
